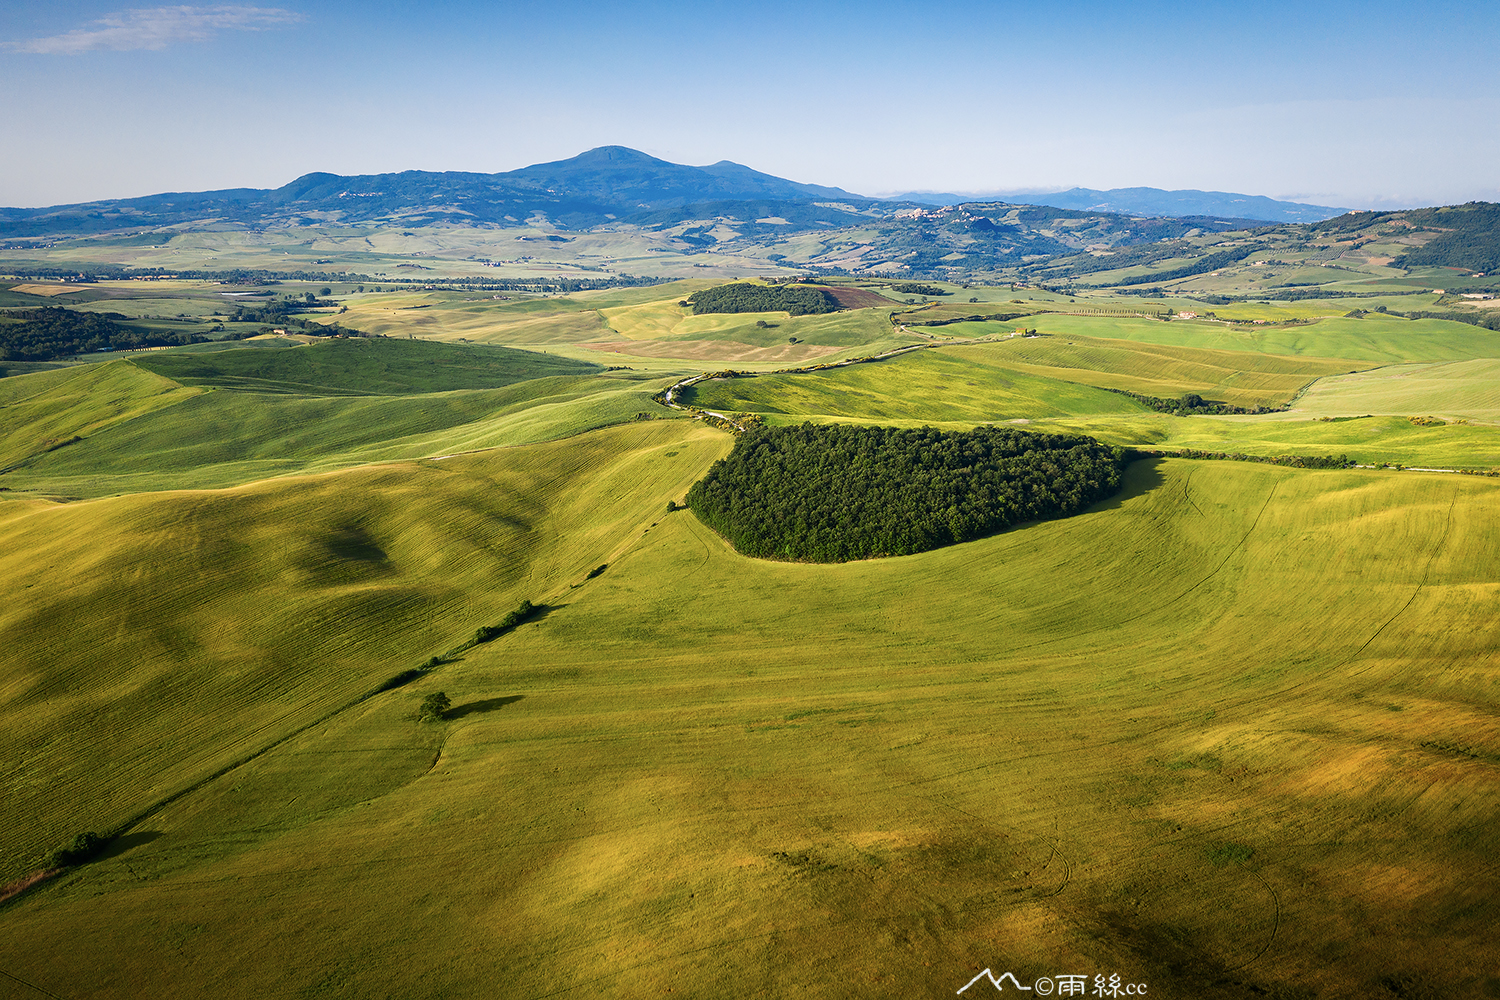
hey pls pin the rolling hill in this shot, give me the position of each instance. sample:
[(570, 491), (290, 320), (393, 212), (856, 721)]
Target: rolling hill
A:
[(1228, 732), (1176, 738)]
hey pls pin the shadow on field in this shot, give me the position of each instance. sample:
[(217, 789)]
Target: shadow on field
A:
[(1141, 476), (539, 612), (487, 705), (127, 842)]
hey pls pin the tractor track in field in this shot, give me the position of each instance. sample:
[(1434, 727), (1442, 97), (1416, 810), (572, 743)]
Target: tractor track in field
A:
[(1421, 586), (1237, 547), (30, 986)]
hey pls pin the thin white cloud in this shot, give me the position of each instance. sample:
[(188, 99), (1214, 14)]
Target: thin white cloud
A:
[(156, 28)]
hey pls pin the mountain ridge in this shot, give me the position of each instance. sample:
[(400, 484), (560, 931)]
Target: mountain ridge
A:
[(1150, 201), (593, 188), (596, 187)]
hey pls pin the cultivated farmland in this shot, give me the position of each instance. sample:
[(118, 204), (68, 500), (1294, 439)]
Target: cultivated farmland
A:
[(1229, 731)]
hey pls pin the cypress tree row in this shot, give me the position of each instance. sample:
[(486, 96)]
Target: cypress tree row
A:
[(831, 493)]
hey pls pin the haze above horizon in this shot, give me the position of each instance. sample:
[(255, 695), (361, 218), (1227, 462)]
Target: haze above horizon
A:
[(1328, 103)]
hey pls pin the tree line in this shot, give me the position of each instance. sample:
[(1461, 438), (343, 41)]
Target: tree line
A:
[(1192, 404), (1294, 461), (831, 493), (88, 273)]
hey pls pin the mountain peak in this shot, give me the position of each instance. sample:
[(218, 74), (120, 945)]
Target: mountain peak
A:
[(616, 156)]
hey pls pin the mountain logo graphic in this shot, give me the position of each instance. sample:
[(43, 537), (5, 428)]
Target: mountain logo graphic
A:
[(987, 974)]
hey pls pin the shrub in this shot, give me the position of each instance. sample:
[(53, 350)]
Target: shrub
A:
[(435, 707), (523, 611), (85, 847)]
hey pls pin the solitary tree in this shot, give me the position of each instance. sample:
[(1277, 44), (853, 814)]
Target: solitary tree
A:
[(435, 706)]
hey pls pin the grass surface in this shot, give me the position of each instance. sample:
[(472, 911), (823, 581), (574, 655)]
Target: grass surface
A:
[(1231, 733), (1195, 737), (1049, 381), (922, 386), (1378, 340), (44, 412), (99, 430), (1458, 389), (224, 438), (362, 366), (1240, 378)]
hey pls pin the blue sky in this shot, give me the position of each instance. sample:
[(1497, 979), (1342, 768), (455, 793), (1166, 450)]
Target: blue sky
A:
[(1372, 104)]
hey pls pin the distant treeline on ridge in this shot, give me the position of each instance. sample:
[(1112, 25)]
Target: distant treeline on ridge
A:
[(831, 493), (743, 297), (82, 274)]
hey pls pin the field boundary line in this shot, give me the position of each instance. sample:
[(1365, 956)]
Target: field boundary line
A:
[(34, 986)]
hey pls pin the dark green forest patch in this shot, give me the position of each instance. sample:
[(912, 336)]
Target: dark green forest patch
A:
[(742, 297), (1470, 237), (51, 332), (831, 493)]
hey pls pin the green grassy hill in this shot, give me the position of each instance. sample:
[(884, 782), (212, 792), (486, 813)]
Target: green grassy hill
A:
[(1229, 733), (45, 411), (1379, 340), (235, 617), (1189, 737), (1057, 383), (1457, 389), (360, 366), (921, 386), (1240, 378), (127, 426)]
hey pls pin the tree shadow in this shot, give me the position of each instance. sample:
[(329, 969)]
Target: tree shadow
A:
[(486, 705), (127, 842), (1141, 476)]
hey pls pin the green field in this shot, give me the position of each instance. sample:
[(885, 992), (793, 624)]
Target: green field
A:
[(923, 386), (635, 325), (1178, 738), (1230, 733), (1239, 378), (1460, 389), (234, 416), (363, 367), (1377, 340), (1051, 382)]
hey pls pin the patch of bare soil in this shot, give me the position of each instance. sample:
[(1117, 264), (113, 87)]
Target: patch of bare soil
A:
[(14, 889), (857, 298), (712, 350)]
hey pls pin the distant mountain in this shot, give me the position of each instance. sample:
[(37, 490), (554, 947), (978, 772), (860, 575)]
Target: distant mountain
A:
[(590, 189), (1149, 201)]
